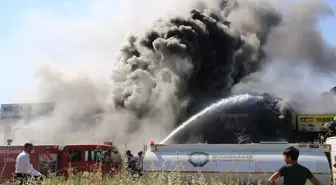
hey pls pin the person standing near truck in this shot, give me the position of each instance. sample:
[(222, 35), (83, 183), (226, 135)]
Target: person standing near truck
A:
[(23, 168), (131, 163), (293, 172), (139, 159), (321, 138)]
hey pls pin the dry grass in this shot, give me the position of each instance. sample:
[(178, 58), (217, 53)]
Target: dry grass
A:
[(125, 179), (158, 178), (155, 178)]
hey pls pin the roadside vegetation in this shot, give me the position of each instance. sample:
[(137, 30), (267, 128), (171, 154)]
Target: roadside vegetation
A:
[(157, 178), (124, 179)]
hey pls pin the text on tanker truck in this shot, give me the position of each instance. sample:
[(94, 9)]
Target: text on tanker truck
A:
[(236, 158)]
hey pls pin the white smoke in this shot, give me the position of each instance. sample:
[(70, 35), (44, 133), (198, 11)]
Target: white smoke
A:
[(73, 57)]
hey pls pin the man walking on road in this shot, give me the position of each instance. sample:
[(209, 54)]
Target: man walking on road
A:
[(293, 172), (23, 168)]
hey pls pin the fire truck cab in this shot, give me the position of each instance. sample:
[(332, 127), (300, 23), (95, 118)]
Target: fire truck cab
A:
[(62, 160), (86, 158)]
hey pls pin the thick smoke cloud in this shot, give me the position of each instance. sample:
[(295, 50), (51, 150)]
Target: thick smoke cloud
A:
[(300, 64), (181, 64), (200, 56)]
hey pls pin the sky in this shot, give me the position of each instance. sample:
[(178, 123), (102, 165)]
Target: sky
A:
[(69, 32), (16, 73)]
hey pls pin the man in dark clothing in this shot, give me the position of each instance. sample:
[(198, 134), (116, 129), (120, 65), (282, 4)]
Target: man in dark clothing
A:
[(293, 172), (139, 159), (131, 162)]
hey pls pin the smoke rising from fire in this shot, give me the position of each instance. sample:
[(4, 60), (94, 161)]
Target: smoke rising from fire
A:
[(253, 116), (184, 61), (300, 63)]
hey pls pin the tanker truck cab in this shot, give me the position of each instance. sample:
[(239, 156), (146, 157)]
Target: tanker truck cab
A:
[(246, 163)]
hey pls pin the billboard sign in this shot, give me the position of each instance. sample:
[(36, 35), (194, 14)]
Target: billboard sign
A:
[(25, 110), (14, 111), (314, 122)]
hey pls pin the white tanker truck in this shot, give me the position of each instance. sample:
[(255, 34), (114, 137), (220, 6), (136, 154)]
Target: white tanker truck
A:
[(246, 163)]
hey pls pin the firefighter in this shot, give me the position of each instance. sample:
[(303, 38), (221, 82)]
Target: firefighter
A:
[(139, 159), (23, 169), (131, 163), (320, 139)]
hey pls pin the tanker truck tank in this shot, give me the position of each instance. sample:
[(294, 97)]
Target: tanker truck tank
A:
[(245, 163)]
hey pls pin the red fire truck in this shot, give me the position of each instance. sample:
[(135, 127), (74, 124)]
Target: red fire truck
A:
[(59, 159)]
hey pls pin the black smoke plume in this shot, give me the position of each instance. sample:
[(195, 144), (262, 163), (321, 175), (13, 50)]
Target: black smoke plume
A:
[(204, 55)]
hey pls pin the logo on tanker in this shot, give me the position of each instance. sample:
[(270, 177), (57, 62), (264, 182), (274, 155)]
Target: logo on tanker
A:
[(198, 159)]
